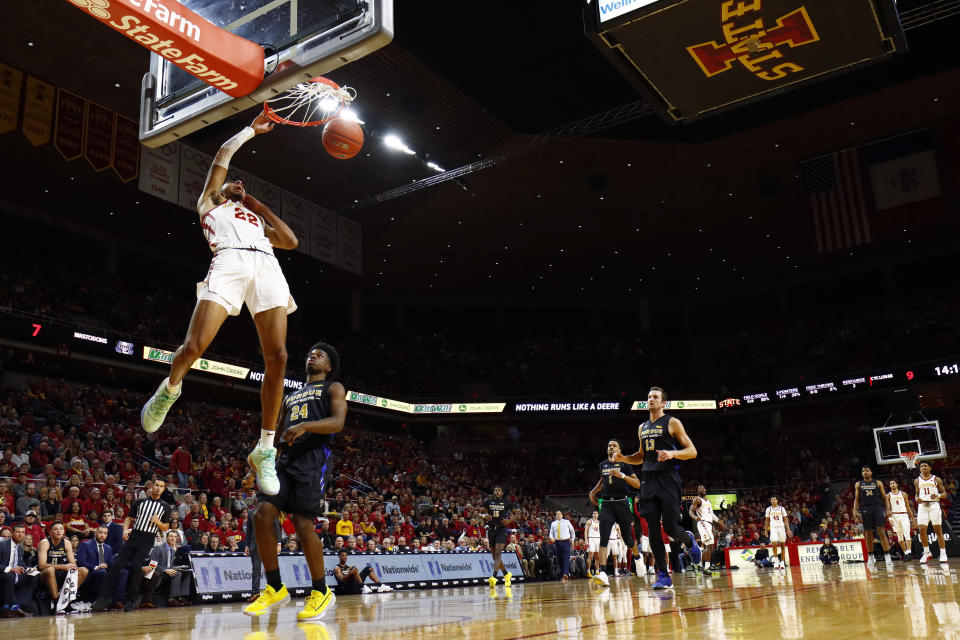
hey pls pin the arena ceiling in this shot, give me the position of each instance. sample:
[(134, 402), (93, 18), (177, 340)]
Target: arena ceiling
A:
[(640, 209)]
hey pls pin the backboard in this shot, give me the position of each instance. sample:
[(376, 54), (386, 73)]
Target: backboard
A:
[(892, 440), (301, 39)]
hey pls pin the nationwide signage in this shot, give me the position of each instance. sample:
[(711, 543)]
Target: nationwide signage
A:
[(156, 354)]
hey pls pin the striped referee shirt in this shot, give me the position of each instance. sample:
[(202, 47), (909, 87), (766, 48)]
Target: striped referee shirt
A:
[(143, 510)]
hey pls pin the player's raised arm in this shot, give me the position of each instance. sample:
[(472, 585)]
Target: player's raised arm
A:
[(217, 175), (688, 452), (634, 458)]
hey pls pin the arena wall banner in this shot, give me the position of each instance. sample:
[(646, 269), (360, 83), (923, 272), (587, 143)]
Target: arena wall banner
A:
[(798, 553), (223, 577)]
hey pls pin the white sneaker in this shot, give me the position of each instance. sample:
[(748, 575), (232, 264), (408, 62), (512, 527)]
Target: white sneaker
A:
[(887, 559), (155, 410), (926, 556), (943, 556), (366, 589), (601, 578), (384, 588), (264, 462), (871, 560)]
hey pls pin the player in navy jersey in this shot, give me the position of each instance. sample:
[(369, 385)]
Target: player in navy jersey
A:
[(663, 443), (311, 417), (497, 510)]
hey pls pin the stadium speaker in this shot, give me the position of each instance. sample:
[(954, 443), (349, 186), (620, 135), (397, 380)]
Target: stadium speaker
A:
[(902, 401)]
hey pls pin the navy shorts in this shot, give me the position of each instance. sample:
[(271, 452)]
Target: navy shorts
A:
[(496, 535), (303, 483), (873, 517)]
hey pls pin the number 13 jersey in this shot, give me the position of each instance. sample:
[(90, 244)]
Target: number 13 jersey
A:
[(230, 225)]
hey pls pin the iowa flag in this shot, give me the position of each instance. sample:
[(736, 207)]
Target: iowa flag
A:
[(905, 180)]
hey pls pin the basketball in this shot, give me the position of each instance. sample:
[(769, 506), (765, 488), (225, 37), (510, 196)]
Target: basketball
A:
[(342, 138)]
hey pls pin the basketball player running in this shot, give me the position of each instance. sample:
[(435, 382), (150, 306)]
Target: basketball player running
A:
[(702, 511), (497, 510), (930, 491), (871, 501), (775, 528), (901, 518), (242, 233), (593, 542), (616, 479), (311, 417), (663, 442)]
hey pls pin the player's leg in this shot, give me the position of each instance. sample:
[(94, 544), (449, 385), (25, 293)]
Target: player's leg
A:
[(272, 329), (868, 536), (275, 592), (321, 597), (938, 529), (207, 318), (670, 490), (607, 520), (923, 519), (625, 520), (884, 540)]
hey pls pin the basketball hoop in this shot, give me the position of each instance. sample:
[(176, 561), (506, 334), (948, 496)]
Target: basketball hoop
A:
[(310, 103), (910, 458)]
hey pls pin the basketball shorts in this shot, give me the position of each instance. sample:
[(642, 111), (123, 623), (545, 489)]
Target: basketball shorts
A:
[(901, 526), (705, 529), (615, 511), (240, 276), (778, 534), (496, 535), (617, 549), (873, 517), (929, 513), (303, 483), (593, 545)]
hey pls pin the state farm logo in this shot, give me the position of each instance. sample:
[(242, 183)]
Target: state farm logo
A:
[(97, 8), (750, 42)]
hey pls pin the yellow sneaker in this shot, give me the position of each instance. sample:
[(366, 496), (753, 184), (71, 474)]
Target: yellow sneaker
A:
[(316, 604), (493, 581), (268, 600), (314, 630), (506, 579)]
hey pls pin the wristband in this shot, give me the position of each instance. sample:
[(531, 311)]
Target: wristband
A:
[(230, 147)]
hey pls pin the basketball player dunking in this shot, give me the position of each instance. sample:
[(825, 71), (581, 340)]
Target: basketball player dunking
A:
[(901, 518), (311, 417), (702, 511), (663, 443), (242, 233), (930, 491), (870, 500)]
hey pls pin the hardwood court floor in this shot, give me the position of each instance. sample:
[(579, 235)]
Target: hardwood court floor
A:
[(848, 601)]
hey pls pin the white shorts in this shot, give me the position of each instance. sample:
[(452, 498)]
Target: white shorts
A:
[(616, 547), (778, 534), (239, 276), (593, 545), (929, 513), (645, 544), (901, 526), (706, 532)]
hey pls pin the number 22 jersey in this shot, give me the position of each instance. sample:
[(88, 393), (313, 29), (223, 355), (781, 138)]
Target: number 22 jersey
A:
[(230, 225)]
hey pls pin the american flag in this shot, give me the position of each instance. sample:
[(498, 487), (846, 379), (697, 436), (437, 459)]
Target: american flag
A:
[(835, 185)]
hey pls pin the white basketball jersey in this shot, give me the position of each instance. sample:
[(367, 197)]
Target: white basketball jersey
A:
[(926, 489), (615, 532), (778, 516), (231, 225), (705, 511), (593, 528), (897, 502)]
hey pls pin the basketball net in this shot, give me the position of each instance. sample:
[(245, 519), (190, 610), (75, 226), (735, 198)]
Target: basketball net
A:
[(310, 103), (910, 459)]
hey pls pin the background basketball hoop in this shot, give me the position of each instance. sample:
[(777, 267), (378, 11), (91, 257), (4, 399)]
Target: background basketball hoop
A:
[(310, 103), (910, 458)]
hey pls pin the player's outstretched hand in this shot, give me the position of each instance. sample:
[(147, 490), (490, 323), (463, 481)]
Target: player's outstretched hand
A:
[(619, 457), (262, 124), (293, 433)]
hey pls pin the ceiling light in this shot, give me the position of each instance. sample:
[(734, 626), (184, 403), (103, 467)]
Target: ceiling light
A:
[(347, 114), (436, 167), (391, 141)]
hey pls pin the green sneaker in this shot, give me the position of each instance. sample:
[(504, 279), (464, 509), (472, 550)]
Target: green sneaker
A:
[(154, 412), (264, 462)]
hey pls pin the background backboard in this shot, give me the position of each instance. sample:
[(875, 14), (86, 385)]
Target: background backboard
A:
[(926, 433), (301, 39)]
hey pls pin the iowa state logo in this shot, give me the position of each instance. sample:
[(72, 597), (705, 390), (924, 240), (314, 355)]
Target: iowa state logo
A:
[(748, 40)]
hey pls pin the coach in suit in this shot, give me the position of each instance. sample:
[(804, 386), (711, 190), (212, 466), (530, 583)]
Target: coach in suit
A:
[(114, 530), (97, 556), (165, 577), (16, 587)]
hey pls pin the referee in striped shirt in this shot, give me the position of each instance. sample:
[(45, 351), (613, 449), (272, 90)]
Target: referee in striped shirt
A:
[(148, 517)]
